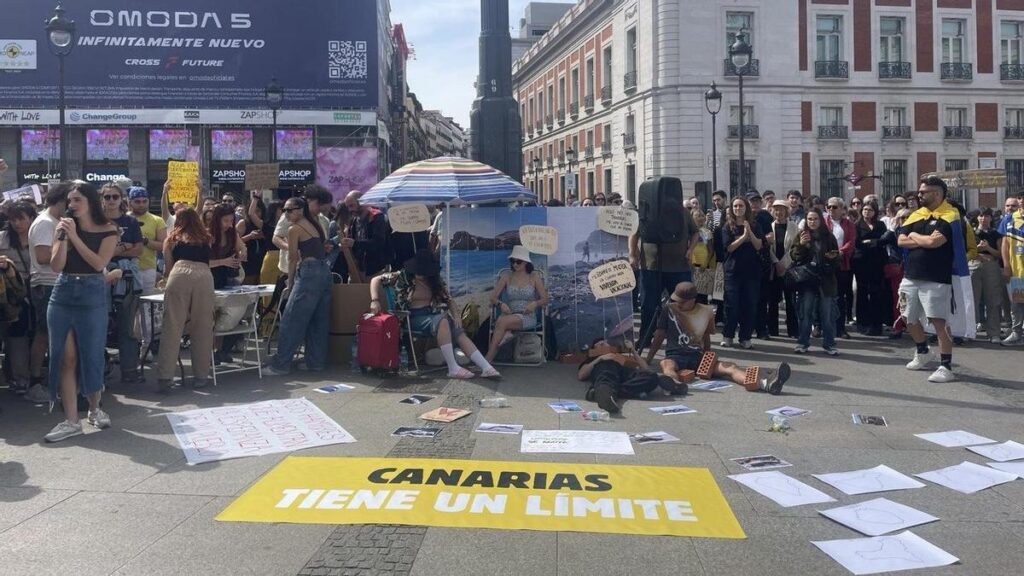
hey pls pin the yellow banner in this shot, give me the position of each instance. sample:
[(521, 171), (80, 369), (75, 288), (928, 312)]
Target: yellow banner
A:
[(183, 178), (650, 500)]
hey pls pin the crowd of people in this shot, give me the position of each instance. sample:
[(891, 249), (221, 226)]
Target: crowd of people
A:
[(74, 270)]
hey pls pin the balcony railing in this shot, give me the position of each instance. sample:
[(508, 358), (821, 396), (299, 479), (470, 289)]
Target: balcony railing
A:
[(606, 95), (574, 110), (832, 69), (750, 131), (588, 152), (833, 132), (588, 102), (1013, 132), (550, 121), (551, 162), (1011, 72), (606, 148), (957, 71), (561, 116), (753, 68), (896, 132), (629, 80), (959, 132), (894, 70), (629, 141)]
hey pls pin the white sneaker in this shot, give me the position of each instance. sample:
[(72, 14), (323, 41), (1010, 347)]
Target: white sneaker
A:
[(726, 343), (99, 419), (1012, 340), (995, 340), (37, 394), (800, 350), (746, 345), (920, 361), (63, 430), (942, 374)]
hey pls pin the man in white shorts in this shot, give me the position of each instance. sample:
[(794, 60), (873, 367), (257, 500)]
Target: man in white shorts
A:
[(926, 292)]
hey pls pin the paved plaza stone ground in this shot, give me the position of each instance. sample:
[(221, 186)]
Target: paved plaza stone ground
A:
[(123, 501)]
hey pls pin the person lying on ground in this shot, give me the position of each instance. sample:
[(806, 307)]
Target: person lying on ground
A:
[(614, 374), (688, 326)]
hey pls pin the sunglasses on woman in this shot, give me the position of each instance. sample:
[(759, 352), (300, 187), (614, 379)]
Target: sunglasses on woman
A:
[(901, 204), (513, 261)]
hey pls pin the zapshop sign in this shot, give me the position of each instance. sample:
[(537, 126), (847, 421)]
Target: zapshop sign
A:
[(195, 54)]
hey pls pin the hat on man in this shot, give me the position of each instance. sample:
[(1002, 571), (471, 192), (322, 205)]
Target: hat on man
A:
[(780, 204), (123, 183), (136, 192), (422, 264), (753, 196), (520, 253)]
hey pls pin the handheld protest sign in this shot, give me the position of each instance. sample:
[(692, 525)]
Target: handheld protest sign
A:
[(262, 176), (409, 218), (618, 220), (539, 239), (183, 180), (612, 279)]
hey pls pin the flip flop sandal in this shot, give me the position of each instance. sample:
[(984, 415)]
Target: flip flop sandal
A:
[(462, 374), (492, 374)]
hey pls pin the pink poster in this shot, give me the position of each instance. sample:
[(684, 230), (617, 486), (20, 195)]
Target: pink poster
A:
[(342, 170)]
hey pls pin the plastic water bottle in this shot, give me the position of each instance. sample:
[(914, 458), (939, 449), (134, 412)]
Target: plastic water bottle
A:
[(403, 361), (354, 364), (597, 416), (494, 402)]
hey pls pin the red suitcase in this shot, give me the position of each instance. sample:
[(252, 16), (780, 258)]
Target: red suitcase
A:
[(379, 337)]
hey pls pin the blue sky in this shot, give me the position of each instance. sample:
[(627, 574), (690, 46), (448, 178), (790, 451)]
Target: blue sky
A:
[(445, 34)]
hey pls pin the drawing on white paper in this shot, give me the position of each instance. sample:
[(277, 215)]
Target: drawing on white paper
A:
[(1004, 452), (783, 490), (877, 479), (878, 516), (1016, 468), (967, 477), (903, 551), (955, 438)]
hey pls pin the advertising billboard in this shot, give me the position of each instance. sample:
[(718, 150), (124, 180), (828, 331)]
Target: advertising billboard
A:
[(41, 145), (294, 145), (196, 53), (230, 145), (106, 144), (169, 144)]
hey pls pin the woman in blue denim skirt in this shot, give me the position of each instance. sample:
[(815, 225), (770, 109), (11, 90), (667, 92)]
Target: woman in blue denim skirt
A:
[(77, 315), (307, 314)]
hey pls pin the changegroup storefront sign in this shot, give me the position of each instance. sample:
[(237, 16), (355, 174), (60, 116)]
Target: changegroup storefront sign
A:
[(195, 53), (547, 496)]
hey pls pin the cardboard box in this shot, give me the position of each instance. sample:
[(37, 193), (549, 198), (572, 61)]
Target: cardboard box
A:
[(339, 349), (348, 303)]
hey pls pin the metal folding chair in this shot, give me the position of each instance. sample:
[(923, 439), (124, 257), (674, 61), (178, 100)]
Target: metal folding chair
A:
[(540, 330)]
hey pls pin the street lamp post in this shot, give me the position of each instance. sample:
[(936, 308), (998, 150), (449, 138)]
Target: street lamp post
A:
[(536, 174), (61, 35), (570, 159), (713, 104), (274, 94), (740, 53)]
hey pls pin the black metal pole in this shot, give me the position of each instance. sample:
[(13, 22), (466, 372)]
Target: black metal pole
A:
[(741, 184), (273, 139), (714, 153), (60, 106)]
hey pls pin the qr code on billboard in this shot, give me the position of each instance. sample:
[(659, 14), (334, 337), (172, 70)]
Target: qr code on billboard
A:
[(346, 59)]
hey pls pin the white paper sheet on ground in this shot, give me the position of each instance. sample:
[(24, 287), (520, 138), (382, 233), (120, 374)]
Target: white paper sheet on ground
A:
[(968, 477), (955, 438), (499, 428), (1011, 467), (268, 427), (785, 491), (878, 516), (877, 479), (903, 551), (1004, 452), (787, 411), (575, 442)]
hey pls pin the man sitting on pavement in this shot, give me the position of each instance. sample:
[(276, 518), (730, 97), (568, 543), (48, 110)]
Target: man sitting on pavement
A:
[(615, 374), (689, 327)]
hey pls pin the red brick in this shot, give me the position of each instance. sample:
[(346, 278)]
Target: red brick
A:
[(926, 116), (954, 3), (904, 3), (806, 122), (863, 116), (986, 117), (802, 34), (926, 162), (862, 36), (925, 36), (1010, 4), (864, 162), (805, 173), (983, 18)]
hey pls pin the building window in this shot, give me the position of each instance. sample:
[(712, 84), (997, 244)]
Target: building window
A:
[(532, 112), (631, 183), (590, 183), (956, 117), (830, 175), (1014, 117), (630, 125), (957, 164), (606, 66), (576, 146), (551, 99), (734, 115), (606, 135), (895, 116), (749, 176), (607, 181), (737, 23), (891, 38), (590, 77), (1014, 177), (830, 38), (561, 94), (953, 40), (831, 116), (575, 85), (894, 179), (631, 48)]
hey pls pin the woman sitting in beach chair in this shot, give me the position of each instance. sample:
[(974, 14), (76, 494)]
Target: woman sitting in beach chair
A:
[(519, 293)]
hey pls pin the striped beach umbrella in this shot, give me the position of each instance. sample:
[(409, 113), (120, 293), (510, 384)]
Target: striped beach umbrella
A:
[(449, 180)]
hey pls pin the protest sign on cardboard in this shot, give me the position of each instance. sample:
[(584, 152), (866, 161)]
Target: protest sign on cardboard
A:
[(539, 239), (618, 220), (409, 218), (611, 279), (262, 176), (183, 181)]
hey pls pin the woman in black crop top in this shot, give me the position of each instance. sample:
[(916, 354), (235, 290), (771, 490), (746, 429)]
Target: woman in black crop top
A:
[(77, 315), (309, 279), (188, 298)]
